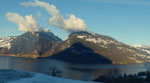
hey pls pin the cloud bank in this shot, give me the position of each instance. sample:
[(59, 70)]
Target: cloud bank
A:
[(26, 24), (72, 24)]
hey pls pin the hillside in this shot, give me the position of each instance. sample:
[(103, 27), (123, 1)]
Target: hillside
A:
[(104, 46)]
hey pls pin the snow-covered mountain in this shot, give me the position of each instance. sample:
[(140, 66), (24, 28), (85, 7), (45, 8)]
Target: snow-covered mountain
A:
[(29, 44), (33, 44), (5, 42), (84, 46), (81, 46), (143, 48)]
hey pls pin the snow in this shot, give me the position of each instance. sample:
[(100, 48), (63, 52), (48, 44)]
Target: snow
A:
[(119, 48), (47, 30), (148, 57), (137, 46), (40, 78), (81, 37), (5, 42), (102, 42), (11, 75), (17, 76), (143, 77), (147, 51), (142, 48), (141, 55)]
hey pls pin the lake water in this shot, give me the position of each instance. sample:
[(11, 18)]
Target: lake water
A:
[(69, 70)]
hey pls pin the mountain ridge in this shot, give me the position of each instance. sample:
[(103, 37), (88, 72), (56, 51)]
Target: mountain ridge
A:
[(106, 46), (32, 44), (47, 45)]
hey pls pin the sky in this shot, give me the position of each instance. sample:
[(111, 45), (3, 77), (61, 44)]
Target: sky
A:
[(127, 21)]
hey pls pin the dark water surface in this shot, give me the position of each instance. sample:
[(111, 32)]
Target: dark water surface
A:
[(69, 70)]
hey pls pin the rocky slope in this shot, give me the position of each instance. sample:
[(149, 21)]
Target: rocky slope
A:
[(80, 47), (5, 44), (142, 48), (32, 44), (91, 47)]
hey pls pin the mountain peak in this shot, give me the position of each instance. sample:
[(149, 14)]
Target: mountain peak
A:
[(102, 45), (92, 37), (38, 34), (80, 32), (33, 43)]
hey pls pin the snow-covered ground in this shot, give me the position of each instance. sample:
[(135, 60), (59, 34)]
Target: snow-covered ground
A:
[(15, 76)]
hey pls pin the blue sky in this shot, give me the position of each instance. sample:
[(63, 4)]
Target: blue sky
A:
[(126, 21)]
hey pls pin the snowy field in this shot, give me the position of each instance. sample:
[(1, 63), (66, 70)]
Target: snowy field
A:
[(15, 76)]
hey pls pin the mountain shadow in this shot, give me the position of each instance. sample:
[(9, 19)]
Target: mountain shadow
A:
[(79, 53)]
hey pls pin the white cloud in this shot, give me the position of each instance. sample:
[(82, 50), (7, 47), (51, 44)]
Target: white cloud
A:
[(27, 23), (72, 24)]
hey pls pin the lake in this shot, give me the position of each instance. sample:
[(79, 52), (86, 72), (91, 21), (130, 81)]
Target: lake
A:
[(78, 71)]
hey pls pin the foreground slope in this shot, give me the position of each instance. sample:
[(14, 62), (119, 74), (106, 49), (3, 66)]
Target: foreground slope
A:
[(15, 76), (87, 46)]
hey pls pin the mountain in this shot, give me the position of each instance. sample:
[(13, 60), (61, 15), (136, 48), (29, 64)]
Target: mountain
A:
[(32, 44), (5, 44), (143, 48), (81, 47), (92, 47)]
